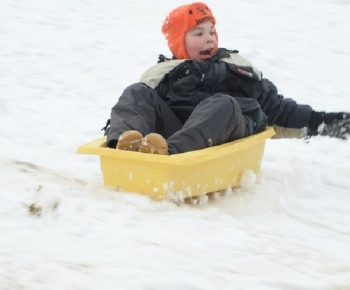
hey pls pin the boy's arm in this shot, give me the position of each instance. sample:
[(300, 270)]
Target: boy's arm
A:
[(282, 111), (294, 120)]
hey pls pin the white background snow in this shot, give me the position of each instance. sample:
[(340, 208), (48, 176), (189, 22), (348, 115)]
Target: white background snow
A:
[(63, 65)]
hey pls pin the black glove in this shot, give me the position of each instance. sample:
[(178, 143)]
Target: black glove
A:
[(330, 124)]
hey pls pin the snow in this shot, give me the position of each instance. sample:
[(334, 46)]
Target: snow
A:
[(248, 179), (63, 64)]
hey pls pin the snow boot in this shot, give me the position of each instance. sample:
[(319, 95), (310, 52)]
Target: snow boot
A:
[(130, 140), (154, 143)]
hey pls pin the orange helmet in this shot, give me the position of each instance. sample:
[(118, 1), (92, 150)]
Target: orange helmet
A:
[(182, 19)]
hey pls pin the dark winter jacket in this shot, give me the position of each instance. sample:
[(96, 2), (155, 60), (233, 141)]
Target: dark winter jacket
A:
[(183, 84)]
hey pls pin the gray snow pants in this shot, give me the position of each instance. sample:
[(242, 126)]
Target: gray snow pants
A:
[(214, 121)]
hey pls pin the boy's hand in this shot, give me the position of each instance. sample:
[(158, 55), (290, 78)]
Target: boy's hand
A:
[(330, 124)]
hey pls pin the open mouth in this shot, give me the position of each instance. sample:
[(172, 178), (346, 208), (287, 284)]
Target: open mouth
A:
[(206, 52)]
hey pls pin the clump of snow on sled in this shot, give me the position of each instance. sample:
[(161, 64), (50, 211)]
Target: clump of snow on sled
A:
[(248, 179), (180, 176)]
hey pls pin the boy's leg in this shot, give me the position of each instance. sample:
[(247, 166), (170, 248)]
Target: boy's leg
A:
[(140, 108), (215, 121)]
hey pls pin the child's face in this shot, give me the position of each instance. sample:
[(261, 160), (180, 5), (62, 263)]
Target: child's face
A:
[(200, 42)]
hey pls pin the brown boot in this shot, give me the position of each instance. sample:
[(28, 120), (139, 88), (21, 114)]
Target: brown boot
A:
[(130, 140), (155, 144)]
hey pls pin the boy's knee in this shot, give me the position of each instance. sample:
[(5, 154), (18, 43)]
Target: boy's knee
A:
[(137, 87), (225, 101), (138, 93)]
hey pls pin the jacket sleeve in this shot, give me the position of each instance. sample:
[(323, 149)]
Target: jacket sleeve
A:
[(282, 112)]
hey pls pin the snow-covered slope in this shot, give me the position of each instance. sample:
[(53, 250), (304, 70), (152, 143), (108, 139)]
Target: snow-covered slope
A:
[(63, 64)]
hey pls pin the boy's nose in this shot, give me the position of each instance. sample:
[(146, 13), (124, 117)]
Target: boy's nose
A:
[(210, 38)]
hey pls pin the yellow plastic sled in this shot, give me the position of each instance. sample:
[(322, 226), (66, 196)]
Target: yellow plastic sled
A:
[(186, 175)]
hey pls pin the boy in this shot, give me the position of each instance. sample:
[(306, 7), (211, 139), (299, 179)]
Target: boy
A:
[(206, 96)]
